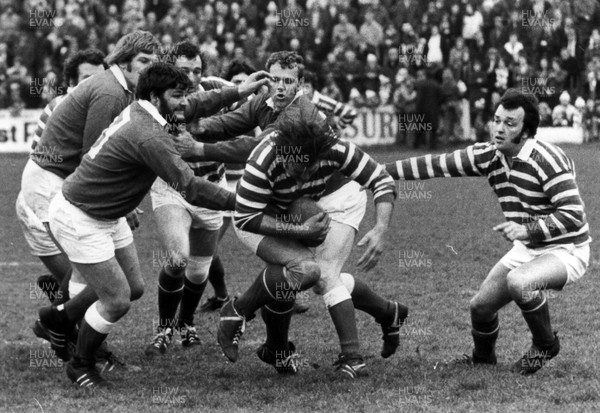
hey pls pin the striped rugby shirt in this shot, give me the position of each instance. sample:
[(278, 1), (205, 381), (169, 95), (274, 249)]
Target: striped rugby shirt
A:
[(539, 191), (41, 125), (266, 187), (345, 113)]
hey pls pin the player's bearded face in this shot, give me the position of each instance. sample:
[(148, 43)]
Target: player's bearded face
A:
[(284, 86), (171, 105)]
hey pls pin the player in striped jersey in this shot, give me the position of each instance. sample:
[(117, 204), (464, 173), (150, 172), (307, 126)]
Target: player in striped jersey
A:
[(545, 220), (299, 156), (188, 233), (78, 67), (344, 114)]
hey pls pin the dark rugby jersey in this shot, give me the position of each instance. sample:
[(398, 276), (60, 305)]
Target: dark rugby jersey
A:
[(538, 191), (118, 171), (78, 121)]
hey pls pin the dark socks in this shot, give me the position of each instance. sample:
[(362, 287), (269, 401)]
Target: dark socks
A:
[(365, 299), (537, 315), (277, 318), (342, 315), (485, 334), (170, 290), (88, 341), (270, 286), (192, 293), (216, 276)]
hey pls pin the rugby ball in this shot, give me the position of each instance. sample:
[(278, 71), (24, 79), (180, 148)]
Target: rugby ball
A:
[(302, 209)]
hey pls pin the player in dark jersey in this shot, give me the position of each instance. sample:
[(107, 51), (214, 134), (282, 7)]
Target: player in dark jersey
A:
[(88, 215), (188, 233), (78, 67), (74, 127)]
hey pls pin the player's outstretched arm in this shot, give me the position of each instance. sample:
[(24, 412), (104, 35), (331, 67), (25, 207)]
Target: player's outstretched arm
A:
[(470, 161), (235, 151), (160, 155)]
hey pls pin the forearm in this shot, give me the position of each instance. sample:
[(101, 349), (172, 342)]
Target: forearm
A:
[(236, 151), (383, 215)]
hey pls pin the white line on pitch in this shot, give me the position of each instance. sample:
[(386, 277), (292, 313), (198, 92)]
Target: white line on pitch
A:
[(16, 263)]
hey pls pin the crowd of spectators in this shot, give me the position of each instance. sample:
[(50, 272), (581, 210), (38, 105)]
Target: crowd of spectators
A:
[(365, 52)]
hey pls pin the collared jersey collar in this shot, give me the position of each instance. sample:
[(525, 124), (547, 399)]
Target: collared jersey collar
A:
[(526, 150), (523, 154), (116, 70), (151, 109), (270, 103)]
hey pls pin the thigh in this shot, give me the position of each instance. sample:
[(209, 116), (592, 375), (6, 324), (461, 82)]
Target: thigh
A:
[(544, 272), (493, 292), (127, 259), (106, 278), (203, 243), (173, 226), (333, 253)]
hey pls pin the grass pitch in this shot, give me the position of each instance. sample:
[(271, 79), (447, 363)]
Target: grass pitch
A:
[(440, 248)]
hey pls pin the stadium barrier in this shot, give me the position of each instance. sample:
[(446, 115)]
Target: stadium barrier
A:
[(371, 127)]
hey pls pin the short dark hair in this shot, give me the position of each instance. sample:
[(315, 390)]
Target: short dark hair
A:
[(310, 77), (513, 99), (159, 77), (287, 60), (184, 48), (236, 67), (71, 70), (301, 124)]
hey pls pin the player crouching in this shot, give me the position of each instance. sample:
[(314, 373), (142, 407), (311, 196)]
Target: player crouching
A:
[(88, 216), (545, 221)]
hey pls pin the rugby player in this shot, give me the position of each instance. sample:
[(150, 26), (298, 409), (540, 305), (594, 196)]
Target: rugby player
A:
[(74, 127), (188, 233), (70, 131), (287, 69), (545, 221), (88, 215), (78, 67)]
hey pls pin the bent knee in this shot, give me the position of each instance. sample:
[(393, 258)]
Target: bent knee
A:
[(480, 308), (306, 272), (137, 291), (118, 307)]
